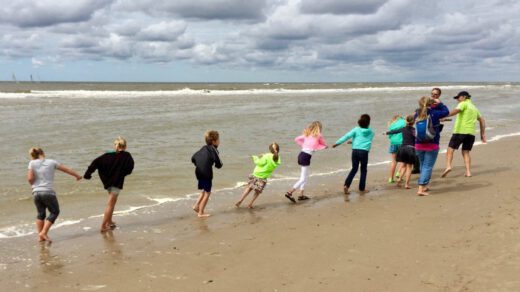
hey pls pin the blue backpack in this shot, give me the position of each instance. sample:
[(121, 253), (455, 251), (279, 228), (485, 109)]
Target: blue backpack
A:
[(425, 130)]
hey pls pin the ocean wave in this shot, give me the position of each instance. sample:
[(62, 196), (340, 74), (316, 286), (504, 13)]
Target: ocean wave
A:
[(28, 228), (108, 94)]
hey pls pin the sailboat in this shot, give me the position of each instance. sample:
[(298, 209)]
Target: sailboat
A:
[(32, 78), (14, 78)]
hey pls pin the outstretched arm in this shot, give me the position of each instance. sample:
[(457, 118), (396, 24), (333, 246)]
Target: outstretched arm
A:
[(30, 176), (482, 123), (69, 171)]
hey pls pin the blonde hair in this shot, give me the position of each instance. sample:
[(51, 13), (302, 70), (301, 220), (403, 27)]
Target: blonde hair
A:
[(36, 152), (120, 143), (313, 129), (395, 118), (424, 103), (275, 149), (211, 136)]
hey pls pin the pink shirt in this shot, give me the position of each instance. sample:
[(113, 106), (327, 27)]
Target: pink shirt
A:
[(311, 143)]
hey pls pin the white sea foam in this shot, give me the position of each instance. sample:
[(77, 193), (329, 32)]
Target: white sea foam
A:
[(89, 94), (28, 229)]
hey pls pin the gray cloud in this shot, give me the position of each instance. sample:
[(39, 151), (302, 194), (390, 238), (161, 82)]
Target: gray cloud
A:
[(403, 36), (49, 12), (341, 7)]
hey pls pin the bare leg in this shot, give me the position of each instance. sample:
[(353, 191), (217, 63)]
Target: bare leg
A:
[(393, 165), (257, 193), (202, 205), (244, 195), (39, 227), (196, 206), (43, 234), (449, 160), (109, 211), (408, 174), (467, 162)]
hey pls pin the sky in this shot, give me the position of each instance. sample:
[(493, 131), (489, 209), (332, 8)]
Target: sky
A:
[(260, 40)]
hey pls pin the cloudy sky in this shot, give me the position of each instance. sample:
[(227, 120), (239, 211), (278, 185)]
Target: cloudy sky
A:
[(260, 40)]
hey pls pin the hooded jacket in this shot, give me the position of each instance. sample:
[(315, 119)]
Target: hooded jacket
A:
[(265, 165), (361, 138), (204, 160), (396, 139)]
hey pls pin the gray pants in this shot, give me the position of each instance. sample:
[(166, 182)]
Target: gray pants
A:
[(46, 200)]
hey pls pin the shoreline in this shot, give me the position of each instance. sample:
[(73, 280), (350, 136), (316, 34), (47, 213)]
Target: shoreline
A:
[(221, 198), (462, 236)]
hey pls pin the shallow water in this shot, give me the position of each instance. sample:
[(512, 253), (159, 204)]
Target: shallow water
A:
[(165, 123)]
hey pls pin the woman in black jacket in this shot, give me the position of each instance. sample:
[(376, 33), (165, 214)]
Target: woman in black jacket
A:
[(112, 167)]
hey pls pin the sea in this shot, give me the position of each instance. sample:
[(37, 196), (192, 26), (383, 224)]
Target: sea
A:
[(164, 124)]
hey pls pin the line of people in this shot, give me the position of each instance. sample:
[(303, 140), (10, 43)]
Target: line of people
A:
[(414, 138)]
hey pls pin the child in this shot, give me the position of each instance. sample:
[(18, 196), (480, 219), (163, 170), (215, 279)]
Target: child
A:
[(396, 140), (361, 142), (406, 153), (40, 176), (112, 167), (265, 165), (204, 160), (310, 141)]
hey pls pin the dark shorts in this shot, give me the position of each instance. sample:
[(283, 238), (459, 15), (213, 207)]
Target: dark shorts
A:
[(46, 200), (466, 140), (256, 183), (406, 154), (393, 149), (304, 159), (205, 184)]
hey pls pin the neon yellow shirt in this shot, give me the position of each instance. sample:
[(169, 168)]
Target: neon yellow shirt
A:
[(466, 118), (265, 165)]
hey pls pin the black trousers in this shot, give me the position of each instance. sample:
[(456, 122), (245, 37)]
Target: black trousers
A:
[(359, 157)]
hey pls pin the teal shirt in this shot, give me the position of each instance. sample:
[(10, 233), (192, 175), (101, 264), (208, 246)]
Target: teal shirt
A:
[(396, 139), (265, 165), (361, 138)]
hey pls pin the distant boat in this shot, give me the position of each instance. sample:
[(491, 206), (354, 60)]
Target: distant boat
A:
[(14, 78), (32, 78)]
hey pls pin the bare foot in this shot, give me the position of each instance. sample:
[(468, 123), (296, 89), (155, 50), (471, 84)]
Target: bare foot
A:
[(250, 206), (196, 209), (399, 183), (203, 215), (467, 175), (407, 187), (362, 192), (345, 190), (41, 239), (44, 237), (446, 171), (237, 204), (422, 194), (105, 228)]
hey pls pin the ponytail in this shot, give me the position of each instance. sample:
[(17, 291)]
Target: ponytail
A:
[(424, 103), (275, 148), (36, 152)]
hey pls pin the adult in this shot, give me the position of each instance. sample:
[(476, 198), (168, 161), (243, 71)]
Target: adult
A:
[(464, 131), (40, 176), (428, 150)]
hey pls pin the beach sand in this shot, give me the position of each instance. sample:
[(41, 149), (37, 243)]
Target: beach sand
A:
[(463, 237)]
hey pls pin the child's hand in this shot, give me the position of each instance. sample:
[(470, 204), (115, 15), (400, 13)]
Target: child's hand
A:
[(349, 142), (384, 133), (335, 145)]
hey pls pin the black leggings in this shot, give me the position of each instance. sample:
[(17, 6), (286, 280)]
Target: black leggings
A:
[(358, 157), (44, 201)]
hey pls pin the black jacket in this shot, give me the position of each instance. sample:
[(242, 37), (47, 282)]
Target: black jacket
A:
[(112, 168), (408, 135), (204, 160)]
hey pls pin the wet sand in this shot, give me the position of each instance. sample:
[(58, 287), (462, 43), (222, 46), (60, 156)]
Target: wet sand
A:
[(463, 237)]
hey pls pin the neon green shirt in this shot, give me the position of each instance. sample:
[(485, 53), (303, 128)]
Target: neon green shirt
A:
[(466, 118), (265, 165)]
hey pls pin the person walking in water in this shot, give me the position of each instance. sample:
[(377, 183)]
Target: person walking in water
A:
[(40, 176), (113, 167)]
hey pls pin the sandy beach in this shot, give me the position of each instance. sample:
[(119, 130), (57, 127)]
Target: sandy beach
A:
[(463, 237)]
